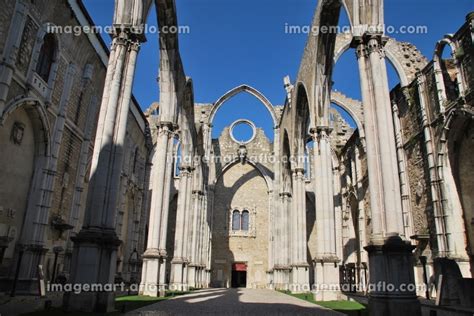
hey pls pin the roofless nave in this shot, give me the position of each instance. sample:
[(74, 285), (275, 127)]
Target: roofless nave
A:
[(153, 198)]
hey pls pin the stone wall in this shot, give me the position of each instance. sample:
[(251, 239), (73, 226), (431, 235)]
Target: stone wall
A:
[(240, 187), (61, 127)]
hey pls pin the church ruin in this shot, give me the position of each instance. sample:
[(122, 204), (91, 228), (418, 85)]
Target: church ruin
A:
[(95, 190)]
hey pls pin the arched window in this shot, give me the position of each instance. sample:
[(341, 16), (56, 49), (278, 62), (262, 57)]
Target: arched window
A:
[(245, 220), (236, 220), (46, 57)]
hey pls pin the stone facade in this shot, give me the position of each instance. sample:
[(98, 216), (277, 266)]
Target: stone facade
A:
[(47, 137)]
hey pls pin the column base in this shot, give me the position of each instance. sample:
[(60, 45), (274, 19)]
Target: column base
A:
[(281, 277), (326, 285), (392, 289), (192, 274), (152, 263), (93, 263), (177, 276), (300, 279)]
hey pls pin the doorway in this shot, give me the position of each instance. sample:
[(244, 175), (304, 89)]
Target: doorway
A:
[(239, 275)]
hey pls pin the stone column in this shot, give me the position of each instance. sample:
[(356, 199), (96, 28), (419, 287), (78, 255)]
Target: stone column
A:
[(299, 262), (178, 264), (154, 258), (390, 255), (337, 212), (94, 257), (404, 185), (193, 265), (326, 270), (282, 258), (362, 217)]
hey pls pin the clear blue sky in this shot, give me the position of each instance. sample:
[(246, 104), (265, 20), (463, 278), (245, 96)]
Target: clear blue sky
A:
[(243, 41)]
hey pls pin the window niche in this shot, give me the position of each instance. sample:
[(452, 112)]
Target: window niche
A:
[(42, 73), (242, 222), (46, 57)]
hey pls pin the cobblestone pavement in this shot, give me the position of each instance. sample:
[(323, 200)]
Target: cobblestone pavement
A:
[(233, 302)]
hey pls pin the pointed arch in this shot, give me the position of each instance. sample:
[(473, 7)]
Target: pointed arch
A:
[(448, 88), (343, 44), (303, 120), (36, 111), (340, 100), (261, 169), (248, 89)]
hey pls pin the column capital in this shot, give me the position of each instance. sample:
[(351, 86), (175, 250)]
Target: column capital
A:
[(166, 126), (298, 172), (319, 132), (369, 43), (185, 170), (285, 194), (197, 192)]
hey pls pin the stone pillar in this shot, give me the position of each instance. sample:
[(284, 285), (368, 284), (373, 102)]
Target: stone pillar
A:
[(299, 262), (282, 266), (390, 254), (337, 211), (179, 262), (154, 258), (196, 194), (326, 269), (362, 218), (404, 185), (94, 256)]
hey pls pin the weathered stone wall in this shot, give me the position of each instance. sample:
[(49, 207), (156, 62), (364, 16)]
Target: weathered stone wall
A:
[(240, 187), (69, 185), (5, 16), (16, 171)]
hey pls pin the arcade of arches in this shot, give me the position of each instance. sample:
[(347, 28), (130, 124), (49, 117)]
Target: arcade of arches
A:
[(105, 193)]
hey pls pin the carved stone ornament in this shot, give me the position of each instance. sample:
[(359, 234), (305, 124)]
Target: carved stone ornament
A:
[(17, 133)]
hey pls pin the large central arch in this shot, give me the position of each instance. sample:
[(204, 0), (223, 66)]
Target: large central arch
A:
[(250, 90)]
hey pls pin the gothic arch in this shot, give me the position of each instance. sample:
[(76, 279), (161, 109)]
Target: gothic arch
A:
[(394, 54), (248, 89), (437, 65), (302, 121), (286, 163), (187, 131), (356, 114), (261, 169), (36, 111)]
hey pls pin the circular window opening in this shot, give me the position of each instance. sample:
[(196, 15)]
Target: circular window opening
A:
[(242, 131)]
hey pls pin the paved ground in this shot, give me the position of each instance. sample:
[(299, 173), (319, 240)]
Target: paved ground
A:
[(233, 302)]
